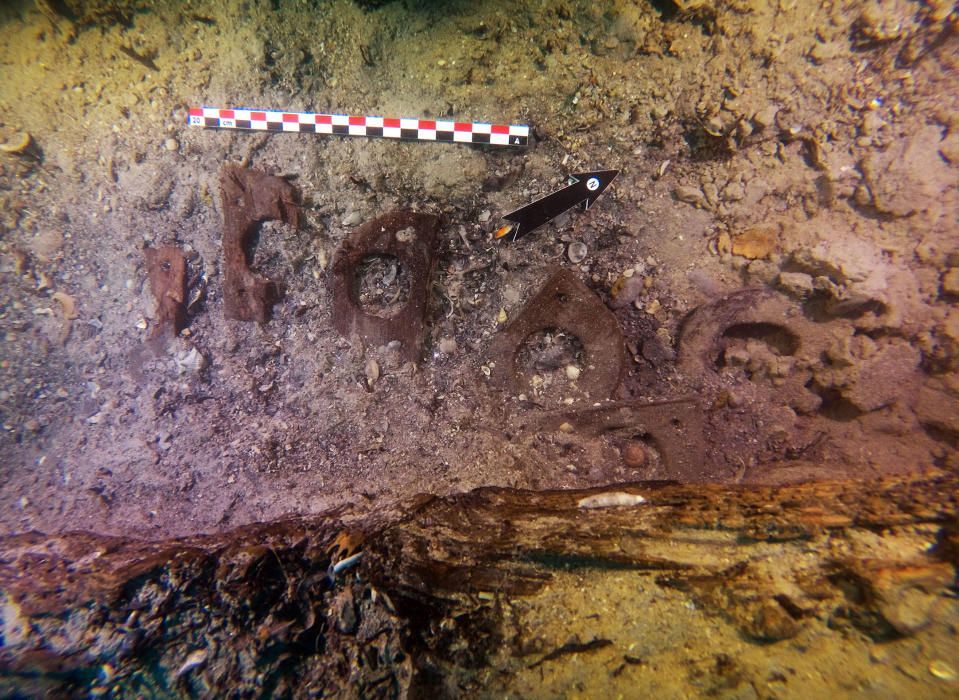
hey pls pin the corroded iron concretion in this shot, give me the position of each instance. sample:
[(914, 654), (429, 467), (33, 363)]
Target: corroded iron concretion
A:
[(414, 249), (250, 198), (706, 332), (166, 269), (564, 303)]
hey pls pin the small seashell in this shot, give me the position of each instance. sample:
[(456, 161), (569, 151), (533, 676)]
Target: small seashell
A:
[(502, 317), (576, 252), (942, 670), (18, 143)]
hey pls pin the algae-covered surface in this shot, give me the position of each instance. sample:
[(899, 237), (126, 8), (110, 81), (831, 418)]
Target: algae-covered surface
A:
[(780, 251)]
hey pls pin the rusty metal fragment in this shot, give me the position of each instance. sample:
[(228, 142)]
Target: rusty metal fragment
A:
[(564, 303), (251, 197), (759, 313), (408, 236), (166, 269), (673, 426)]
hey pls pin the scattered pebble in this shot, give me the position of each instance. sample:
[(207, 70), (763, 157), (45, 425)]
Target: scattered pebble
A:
[(353, 219), (572, 372), (756, 242), (47, 244), (798, 284), (690, 195), (576, 252), (566, 427), (634, 454), (733, 192), (950, 281), (171, 144), (625, 291), (372, 372), (484, 216), (765, 117), (448, 346), (189, 361), (724, 243)]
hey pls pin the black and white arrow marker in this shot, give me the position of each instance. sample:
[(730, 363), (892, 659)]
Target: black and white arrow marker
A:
[(583, 189)]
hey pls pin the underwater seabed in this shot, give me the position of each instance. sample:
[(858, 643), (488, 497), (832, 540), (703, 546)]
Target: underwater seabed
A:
[(549, 349)]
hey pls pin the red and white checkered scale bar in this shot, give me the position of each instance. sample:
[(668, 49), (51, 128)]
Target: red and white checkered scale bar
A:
[(415, 129)]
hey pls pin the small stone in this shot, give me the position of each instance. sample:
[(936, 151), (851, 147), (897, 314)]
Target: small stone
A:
[(653, 306), (798, 284), (47, 244), (765, 117), (756, 242), (822, 52), (32, 425), (566, 427), (484, 216), (576, 252), (871, 123), (372, 372), (733, 192), (353, 219), (949, 147), (448, 346), (171, 145), (625, 291), (950, 281), (724, 243), (771, 623), (190, 361), (689, 194), (572, 372), (634, 454)]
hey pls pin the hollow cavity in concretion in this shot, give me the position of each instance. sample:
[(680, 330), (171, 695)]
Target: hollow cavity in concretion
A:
[(250, 198), (409, 238), (565, 304)]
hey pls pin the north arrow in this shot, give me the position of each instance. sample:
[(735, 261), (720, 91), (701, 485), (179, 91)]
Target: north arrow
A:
[(584, 189)]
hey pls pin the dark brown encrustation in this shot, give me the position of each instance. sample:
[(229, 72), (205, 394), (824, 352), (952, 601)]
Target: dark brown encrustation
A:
[(251, 197)]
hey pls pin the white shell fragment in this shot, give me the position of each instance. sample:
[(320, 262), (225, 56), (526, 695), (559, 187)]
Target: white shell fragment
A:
[(193, 659), (613, 499)]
